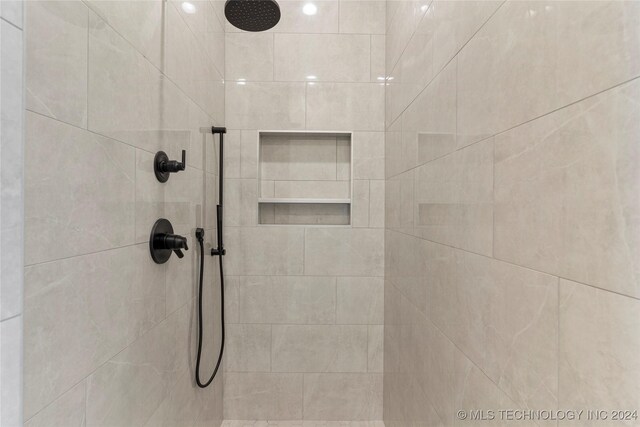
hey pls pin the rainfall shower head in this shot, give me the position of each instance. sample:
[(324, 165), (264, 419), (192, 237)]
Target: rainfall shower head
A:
[(252, 15)]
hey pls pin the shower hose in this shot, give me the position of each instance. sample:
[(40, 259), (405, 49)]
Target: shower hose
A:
[(200, 237)]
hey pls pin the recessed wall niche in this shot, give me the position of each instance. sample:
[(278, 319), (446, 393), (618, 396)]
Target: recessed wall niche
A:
[(304, 178)]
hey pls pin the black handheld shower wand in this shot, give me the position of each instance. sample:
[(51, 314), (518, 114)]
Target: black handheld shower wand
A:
[(220, 252)]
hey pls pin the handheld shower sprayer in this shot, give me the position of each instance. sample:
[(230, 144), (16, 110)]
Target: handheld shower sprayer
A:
[(220, 252)]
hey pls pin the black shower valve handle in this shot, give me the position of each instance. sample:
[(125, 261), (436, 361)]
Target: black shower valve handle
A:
[(174, 165), (163, 167)]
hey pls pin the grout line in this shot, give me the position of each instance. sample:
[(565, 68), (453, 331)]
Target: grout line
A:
[(2, 18), (10, 317), (514, 264), (520, 124)]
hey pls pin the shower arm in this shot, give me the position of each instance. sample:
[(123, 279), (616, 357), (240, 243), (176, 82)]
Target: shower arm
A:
[(220, 250)]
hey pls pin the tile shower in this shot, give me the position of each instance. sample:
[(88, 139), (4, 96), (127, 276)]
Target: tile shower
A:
[(431, 207)]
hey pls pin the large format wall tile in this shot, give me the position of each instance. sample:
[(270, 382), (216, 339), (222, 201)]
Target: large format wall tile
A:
[(345, 106), (322, 57), (248, 348), (360, 300), (573, 50), (249, 56), (252, 105), (354, 252), (454, 199), (566, 192), (61, 191), (12, 171), (141, 23), (319, 348), (140, 106), (57, 60), (285, 299), (362, 17), (599, 347), (262, 396), (342, 396), (11, 370), (81, 311), (67, 410), (149, 367), (265, 250), (189, 68)]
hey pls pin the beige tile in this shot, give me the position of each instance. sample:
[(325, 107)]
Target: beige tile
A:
[(248, 348), (399, 202), (190, 69), (298, 157), (81, 311), (149, 367), (565, 192), (574, 49), (599, 345), (286, 299), (322, 57), (360, 300), (263, 396), (56, 78), (12, 165), (394, 163), (139, 106), (208, 29), (355, 252), (401, 27), (378, 73), (375, 348), (360, 204), (319, 348), (249, 153), (313, 189), (405, 267), (503, 317), (474, 390), (265, 105), (11, 370), (345, 106), (343, 157), (249, 56), (376, 203), (368, 155), (343, 396), (362, 17), (251, 251), (413, 71), (241, 202), (67, 410), (429, 124), (61, 191), (455, 22), (12, 11), (184, 201), (454, 199), (141, 23)]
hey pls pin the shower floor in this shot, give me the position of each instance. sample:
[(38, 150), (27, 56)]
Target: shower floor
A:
[(300, 423)]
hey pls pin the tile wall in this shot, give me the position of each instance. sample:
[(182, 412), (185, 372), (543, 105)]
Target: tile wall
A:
[(512, 211), (108, 334), (11, 210), (305, 303)]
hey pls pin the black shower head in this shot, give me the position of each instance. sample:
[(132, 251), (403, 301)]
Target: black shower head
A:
[(252, 15)]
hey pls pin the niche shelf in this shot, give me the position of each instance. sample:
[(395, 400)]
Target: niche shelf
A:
[(304, 178)]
